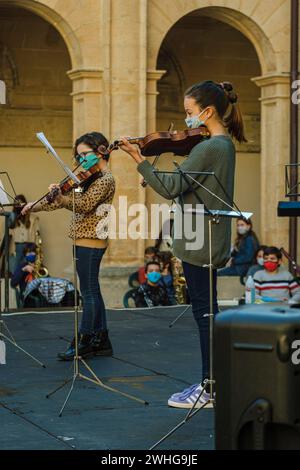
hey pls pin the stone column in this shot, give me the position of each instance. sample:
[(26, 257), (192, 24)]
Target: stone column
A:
[(275, 153), (153, 76), (127, 110), (87, 101)]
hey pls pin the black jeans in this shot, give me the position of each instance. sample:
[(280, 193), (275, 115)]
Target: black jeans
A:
[(197, 279), (88, 266)]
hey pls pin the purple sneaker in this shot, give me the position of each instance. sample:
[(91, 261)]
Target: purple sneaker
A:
[(186, 391), (188, 397)]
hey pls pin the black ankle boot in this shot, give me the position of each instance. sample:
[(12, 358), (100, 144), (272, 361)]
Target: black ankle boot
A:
[(69, 354), (102, 345), (85, 346)]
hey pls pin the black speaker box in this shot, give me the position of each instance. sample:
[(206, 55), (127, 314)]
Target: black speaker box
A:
[(257, 372)]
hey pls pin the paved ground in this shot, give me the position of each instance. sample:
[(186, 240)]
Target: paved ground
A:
[(150, 361)]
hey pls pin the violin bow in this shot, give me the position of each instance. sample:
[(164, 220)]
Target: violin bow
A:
[(42, 138)]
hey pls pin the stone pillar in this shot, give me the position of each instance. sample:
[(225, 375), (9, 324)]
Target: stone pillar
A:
[(87, 101), (128, 54), (275, 153), (153, 76)]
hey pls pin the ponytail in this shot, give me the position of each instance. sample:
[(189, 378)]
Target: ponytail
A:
[(223, 97), (233, 120)]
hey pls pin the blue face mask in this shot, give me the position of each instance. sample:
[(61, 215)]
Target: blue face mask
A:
[(194, 122), (88, 161), (154, 277), (30, 258)]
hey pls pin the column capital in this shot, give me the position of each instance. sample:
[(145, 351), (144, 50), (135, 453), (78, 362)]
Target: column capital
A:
[(155, 74), (152, 78), (86, 80), (77, 74), (273, 86)]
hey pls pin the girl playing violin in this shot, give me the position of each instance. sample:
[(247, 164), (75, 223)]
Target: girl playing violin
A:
[(90, 233), (215, 106)]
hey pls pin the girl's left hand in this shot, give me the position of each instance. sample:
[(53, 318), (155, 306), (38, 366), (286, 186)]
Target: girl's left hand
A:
[(56, 191), (131, 149)]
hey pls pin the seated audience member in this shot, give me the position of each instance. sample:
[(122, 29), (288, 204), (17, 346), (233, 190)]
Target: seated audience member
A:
[(23, 229), (165, 241), (151, 293), (274, 282), (166, 275), (24, 270), (246, 244), (150, 255), (258, 264), (36, 291)]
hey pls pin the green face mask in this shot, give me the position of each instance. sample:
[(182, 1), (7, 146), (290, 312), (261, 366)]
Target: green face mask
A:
[(88, 161)]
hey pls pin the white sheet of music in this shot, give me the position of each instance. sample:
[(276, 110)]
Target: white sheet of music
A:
[(2, 352), (3, 195)]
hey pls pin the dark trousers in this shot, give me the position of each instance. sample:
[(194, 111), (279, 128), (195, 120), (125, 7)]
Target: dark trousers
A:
[(88, 267), (197, 279)]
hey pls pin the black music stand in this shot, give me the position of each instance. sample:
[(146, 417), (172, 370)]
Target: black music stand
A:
[(214, 218), (6, 214)]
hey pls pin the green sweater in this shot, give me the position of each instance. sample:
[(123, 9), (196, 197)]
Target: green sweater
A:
[(217, 155)]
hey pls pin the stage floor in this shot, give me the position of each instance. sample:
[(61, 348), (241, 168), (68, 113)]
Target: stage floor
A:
[(151, 361)]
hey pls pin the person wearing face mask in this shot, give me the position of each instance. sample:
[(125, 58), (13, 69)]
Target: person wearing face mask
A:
[(91, 241), (150, 254), (214, 105), (152, 293), (23, 230), (258, 264), (274, 282), (23, 275), (24, 270), (245, 246)]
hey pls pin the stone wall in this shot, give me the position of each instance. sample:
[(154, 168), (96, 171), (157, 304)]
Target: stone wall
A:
[(73, 67)]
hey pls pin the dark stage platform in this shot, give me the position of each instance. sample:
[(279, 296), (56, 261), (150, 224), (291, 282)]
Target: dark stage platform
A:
[(151, 361)]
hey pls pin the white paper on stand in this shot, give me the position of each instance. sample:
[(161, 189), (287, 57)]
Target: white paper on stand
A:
[(2, 352), (3, 195)]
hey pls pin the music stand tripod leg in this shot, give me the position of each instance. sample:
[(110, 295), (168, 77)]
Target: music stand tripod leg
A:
[(179, 316), (8, 330), (21, 349), (209, 382), (77, 359)]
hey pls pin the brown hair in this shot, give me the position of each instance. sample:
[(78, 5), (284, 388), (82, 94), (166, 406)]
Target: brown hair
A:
[(150, 263), (240, 237), (95, 140), (223, 97), (21, 219), (273, 250)]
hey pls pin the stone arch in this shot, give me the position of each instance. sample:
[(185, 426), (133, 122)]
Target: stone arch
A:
[(57, 21), (238, 20)]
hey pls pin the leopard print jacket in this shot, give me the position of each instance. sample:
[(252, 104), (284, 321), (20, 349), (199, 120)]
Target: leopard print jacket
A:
[(92, 208)]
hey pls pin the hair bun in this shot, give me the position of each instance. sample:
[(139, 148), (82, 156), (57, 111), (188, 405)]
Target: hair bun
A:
[(228, 88)]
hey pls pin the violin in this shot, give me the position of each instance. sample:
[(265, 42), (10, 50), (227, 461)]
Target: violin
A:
[(67, 184), (177, 142)]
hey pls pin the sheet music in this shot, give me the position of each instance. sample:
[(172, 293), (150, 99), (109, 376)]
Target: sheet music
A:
[(3, 196), (2, 352), (236, 214), (233, 214), (42, 138)]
